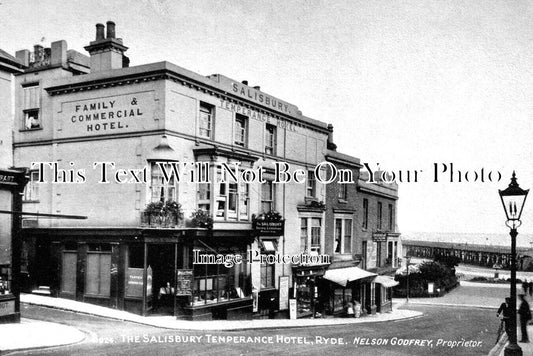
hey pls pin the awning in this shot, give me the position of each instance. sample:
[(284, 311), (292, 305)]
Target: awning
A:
[(386, 281), (344, 275)]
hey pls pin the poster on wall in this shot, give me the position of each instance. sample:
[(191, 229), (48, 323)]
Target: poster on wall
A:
[(184, 282), (283, 292)]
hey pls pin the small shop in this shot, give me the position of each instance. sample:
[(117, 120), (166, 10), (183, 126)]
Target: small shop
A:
[(383, 288), (12, 184), (306, 281), (343, 286)]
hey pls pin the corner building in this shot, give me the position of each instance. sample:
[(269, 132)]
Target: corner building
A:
[(75, 110)]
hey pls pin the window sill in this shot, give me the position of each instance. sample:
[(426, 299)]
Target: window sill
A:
[(342, 201), (31, 201), (34, 129)]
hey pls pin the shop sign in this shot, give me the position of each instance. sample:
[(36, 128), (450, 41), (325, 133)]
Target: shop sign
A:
[(11, 179), (7, 307), (283, 292), (184, 282), (292, 308), (379, 236), (134, 282), (269, 228)]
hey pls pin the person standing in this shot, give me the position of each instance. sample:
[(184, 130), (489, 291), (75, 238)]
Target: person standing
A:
[(525, 316), (504, 313)]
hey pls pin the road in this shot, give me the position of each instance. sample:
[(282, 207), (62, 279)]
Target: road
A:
[(431, 334)]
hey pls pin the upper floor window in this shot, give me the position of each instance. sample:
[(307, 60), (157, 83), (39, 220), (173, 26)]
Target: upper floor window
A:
[(206, 120), (32, 104), (311, 235), (365, 214), (343, 235), (310, 184), (267, 196), (380, 216), (162, 189), (391, 217), (31, 191), (241, 130), (343, 191), (270, 139), (232, 200)]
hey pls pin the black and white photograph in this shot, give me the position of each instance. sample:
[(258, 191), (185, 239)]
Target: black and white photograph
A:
[(300, 177)]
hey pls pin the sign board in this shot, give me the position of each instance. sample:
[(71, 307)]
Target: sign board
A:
[(269, 228), (379, 236), (184, 282), (372, 255), (134, 282), (431, 288), (292, 308), (7, 307), (283, 292)]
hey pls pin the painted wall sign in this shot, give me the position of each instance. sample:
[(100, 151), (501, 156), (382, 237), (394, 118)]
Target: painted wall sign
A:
[(106, 115), (379, 236), (256, 115)]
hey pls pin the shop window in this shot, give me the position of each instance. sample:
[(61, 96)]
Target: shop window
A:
[(162, 189), (311, 184), (270, 139), (311, 235), (32, 104), (135, 256), (267, 196), (97, 278), (380, 216), (391, 217), (343, 191), (365, 214), (31, 191), (241, 130), (215, 283), (343, 236), (206, 120)]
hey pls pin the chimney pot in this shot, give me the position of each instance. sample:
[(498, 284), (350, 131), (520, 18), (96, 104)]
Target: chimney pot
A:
[(257, 87), (99, 31), (110, 29), (245, 82)]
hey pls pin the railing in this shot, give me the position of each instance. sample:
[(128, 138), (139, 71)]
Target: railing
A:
[(157, 220)]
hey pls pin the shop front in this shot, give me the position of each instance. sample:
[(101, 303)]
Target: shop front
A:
[(306, 281), (12, 184)]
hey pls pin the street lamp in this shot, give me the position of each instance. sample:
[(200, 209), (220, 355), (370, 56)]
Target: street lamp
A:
[(408, 261), (513, 200)]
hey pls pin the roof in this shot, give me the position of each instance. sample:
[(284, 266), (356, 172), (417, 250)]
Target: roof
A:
[(343, 158), (9, 62)]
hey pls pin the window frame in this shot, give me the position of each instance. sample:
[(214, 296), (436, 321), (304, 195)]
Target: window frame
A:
[(379, 223), (310, 233), (205, 108), (31, 91), (364, 224), (310, 184), (166, 196), (270, 139), (344, 234), (31, 190), (272, 192), (243, 130)]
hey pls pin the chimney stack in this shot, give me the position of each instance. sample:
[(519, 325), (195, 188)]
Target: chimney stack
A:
[(107, 53), (330, 145), (110, 29)]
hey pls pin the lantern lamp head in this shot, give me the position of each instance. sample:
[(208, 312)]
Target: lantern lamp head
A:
[(513, 200)]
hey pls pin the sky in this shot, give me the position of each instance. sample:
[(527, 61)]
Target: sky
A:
[(407, 84)]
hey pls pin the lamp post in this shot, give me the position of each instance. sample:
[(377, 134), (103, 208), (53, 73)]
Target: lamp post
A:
[(513, 200), (408, 261)]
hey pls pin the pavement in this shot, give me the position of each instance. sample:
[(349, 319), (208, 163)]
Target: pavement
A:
[(25, 336)]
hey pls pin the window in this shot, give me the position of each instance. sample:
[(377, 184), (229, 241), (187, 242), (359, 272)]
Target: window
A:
[(270, 139), (215, 283), (268, 270), (392, 253), (206, 120), (31, 191), (241, 130), (32, 104), (343, 191), (343, 236), (161, 188), (365, 214), (391, 218), (232, 199), (310, 184), (204, 191), (380, 216), (378, 254), (267, 196), (364, 253), (311, 235)]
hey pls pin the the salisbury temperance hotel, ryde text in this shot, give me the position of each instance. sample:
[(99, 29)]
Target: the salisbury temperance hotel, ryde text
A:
[(75, 109)]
